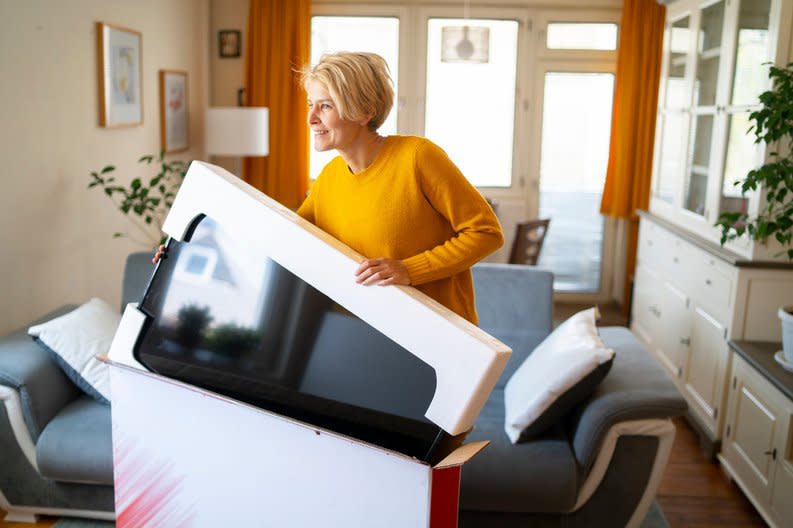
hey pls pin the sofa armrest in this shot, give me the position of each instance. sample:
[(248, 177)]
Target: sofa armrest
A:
[(27, 368), (636, 388)]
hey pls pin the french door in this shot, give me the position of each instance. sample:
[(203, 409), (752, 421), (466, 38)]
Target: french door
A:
[(508, 111)]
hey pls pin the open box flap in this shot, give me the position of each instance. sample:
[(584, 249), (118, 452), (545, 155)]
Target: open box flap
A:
[(462, 454)]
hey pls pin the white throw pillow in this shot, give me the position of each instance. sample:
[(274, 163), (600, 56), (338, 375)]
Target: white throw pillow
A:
[(76, 338), (555, 372)]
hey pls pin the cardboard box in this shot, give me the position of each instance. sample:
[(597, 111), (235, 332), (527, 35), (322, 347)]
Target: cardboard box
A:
[(184, 456)]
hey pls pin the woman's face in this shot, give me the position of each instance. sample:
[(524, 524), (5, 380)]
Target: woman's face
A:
[(330, 130)]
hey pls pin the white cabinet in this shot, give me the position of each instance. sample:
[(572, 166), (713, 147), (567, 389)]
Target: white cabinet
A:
[(704, 370), (690, 295), (682, 319), (689, 299), (712, 75), (757, 445)]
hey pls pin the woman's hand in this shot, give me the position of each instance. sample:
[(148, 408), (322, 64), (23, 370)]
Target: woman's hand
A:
[(382, 272), (161, 253)]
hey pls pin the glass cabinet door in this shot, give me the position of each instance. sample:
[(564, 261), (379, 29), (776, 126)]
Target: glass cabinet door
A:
[(749, 80), (708, 54), (697, 177), (674, 111)]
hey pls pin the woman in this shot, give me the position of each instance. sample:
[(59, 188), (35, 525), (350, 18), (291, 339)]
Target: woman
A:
[(398, 200)]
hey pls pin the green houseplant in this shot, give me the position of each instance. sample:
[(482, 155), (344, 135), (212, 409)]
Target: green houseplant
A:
[(144, 203), (773, 125)]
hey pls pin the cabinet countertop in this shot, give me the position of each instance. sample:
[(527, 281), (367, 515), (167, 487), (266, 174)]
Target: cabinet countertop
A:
[(714, 249), (761, 356)]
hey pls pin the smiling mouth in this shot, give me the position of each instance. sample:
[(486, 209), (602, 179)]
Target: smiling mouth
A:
[(320, 132)]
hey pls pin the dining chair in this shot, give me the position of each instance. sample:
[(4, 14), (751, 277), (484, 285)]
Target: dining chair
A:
[(527, 244)]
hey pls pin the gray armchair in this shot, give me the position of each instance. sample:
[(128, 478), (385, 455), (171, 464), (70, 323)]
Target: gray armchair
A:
[(56, 454)]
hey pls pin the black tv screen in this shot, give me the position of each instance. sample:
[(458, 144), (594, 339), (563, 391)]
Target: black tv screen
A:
[(224, 316)]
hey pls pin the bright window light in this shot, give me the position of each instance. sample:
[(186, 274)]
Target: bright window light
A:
[(373, 34), (470, 110), (582, 36)]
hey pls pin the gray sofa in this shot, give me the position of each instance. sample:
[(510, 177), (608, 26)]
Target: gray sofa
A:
[(600, 467)]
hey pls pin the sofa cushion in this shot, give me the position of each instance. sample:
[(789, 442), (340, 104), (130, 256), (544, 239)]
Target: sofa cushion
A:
[(561, 372), (76, 446), (538, 476), (76, 339), (522, 342)]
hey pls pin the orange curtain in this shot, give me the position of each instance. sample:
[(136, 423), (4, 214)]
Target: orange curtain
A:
[(278, 44), (630, 163)]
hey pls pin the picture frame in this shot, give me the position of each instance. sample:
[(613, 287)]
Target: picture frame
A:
[(229, 43), (119, 53), (174, 110)]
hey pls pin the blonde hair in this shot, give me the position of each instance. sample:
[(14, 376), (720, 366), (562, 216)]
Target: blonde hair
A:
[(358, 82)]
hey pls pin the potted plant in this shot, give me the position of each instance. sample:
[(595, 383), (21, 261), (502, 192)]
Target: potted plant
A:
[(772, 124), (144, 203)]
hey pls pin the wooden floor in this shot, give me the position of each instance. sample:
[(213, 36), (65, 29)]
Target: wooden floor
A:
[(694, 493)]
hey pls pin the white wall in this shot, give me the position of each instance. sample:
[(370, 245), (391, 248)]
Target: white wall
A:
[(228, 74), (55, 233)]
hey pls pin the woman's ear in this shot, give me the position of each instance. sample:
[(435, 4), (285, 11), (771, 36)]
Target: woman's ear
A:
[(365, 121)]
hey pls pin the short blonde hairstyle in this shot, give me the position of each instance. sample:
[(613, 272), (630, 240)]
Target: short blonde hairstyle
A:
[(358, 82)]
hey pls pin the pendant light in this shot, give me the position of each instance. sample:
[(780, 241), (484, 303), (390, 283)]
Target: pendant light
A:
[(465, 43)]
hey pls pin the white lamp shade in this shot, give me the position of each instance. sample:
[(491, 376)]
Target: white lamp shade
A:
[(237, 131)]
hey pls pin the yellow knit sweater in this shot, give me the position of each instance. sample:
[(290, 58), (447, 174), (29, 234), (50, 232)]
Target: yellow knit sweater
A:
[(412, 203)]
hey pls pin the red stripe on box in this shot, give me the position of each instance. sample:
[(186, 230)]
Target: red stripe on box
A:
[(147, 491), (445, 497)]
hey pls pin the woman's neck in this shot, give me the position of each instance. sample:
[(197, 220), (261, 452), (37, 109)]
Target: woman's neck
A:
[(362, 153)]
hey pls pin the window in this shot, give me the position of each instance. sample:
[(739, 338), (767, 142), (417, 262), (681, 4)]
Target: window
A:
[(581, 36), (470, 108), (355, 33), (519, 98)]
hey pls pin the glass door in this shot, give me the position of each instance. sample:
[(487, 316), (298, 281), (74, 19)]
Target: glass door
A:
[(575, 92), (673, 119), (750, 45), (576, 127), (708, 61)]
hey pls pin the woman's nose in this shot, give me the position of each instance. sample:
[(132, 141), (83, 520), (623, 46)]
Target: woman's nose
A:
[(312, 116)]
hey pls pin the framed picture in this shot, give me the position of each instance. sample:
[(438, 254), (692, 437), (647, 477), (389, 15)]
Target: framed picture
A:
[(173, 111), (229, 43), (120, 75)]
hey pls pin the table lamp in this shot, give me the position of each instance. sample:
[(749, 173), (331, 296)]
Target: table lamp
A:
[(237, 131)]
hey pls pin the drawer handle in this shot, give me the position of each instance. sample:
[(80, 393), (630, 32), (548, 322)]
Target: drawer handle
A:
[(685, 341), (772, 453), (708, 282), (675, 259)]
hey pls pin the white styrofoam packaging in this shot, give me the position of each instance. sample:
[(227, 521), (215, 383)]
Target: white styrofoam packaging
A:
[(184, 456)]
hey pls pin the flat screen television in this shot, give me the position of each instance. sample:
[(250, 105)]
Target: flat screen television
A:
[(226, 317)]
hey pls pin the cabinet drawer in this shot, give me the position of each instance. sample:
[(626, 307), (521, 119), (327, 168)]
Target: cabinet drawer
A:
[(678, 259), (650, 244), (710, 284)]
